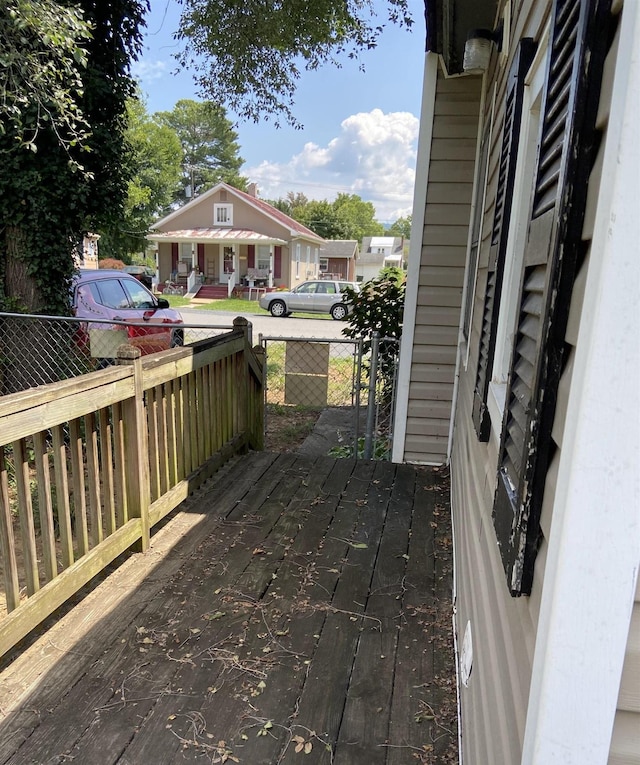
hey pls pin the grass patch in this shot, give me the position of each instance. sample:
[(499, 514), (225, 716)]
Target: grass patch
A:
[(177, 301), (235, 305)]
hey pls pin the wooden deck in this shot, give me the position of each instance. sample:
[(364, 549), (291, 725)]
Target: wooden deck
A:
[(296, 610)]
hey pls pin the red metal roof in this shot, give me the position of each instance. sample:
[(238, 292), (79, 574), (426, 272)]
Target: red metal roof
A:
[(215, 235)]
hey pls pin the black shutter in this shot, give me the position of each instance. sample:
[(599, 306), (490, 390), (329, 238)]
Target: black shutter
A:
[(476, 227), (565, 158), (504, 196)]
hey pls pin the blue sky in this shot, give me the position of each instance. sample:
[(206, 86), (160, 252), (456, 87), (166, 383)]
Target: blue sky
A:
[(360, 128)]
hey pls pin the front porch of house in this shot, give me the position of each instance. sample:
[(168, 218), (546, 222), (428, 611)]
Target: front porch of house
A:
[(293, 607), (221, 259)]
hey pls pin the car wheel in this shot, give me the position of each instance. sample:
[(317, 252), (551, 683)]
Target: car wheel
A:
[(278, 308), (177, 338), (339, 312)]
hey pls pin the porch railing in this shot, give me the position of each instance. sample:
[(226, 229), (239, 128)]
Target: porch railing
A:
[(89, 465)]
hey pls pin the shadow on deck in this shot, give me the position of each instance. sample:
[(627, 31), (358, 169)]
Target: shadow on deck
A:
[(295, 605)]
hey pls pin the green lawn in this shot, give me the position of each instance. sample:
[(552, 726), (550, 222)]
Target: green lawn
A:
[(235, 305)]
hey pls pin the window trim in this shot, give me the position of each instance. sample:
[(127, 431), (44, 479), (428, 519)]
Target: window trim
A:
[(227, 209)]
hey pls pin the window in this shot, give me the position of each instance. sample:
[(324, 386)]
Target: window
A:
[(552, 245), (495, 396), (297, 261), (479, 197), (110, 293), (324, 265), (223, 215), (502, 213), (264, 257), (138, 296)]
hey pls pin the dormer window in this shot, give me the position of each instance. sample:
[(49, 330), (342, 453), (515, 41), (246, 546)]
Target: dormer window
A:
[(223, 215)]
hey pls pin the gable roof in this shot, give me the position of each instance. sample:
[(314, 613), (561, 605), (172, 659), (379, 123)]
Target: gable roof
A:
[(339, 248), (295, 228)]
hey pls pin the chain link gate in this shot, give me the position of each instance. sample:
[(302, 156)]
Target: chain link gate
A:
[(317, 373)]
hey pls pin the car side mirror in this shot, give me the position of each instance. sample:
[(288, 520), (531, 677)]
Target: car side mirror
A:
[(163, 303)]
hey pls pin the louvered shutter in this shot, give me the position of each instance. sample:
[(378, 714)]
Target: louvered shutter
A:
[(174, 259), (565, 157), (277, 262), (476, 229), (499, 232)]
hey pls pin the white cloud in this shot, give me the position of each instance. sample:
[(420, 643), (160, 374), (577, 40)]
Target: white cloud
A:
[(149, 71), (373, 156)]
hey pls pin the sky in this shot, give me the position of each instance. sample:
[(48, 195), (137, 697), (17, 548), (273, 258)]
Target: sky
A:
[(360, 130)]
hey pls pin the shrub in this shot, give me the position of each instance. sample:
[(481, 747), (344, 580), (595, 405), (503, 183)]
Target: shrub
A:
[(111, 263)]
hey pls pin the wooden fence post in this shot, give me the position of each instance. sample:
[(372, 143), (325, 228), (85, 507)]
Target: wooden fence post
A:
[(242, 377), (258, 400), (136, 447)]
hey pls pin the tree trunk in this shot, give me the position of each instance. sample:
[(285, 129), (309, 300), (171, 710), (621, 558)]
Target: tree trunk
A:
[(20, 289)]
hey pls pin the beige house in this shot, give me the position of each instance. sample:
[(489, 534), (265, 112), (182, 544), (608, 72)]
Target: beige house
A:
[(520, 366), (231, 238)]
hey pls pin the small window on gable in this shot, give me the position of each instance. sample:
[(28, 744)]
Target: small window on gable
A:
[(223, 215)]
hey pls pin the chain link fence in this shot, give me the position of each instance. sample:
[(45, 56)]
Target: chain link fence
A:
[(36, 350), (301, 373), (316, 373)]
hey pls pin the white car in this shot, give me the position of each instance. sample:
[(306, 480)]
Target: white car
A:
[(322, 296)]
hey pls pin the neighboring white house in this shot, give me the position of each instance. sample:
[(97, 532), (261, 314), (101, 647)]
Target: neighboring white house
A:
[(377, 253), (520, 366)]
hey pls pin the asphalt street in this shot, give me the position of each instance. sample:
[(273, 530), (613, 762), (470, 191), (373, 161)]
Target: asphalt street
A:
[(268, 326)]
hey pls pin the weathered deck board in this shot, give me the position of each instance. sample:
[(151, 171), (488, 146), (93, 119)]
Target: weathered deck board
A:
[(294, 601)]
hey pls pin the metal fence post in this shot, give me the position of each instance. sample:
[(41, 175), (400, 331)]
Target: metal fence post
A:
[(371, 403)]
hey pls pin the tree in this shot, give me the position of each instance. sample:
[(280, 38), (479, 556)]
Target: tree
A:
[(40, 76), (401, 227), (156, 165), (66, 182), (357, 217), (347, 217), (209, 146), (249, 54)]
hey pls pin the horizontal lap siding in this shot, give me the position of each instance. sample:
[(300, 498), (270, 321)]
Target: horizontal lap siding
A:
[(444, 244)]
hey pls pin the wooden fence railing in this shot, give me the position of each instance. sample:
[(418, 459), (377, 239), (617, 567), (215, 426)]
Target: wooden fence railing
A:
[(89, 465)]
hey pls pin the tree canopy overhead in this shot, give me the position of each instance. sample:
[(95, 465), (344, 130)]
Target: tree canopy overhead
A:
[(249, 54)]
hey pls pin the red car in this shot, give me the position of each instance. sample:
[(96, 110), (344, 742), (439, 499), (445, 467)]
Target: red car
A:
[(117, 296)]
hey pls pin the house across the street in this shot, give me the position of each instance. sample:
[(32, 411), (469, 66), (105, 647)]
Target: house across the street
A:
[(229, 238), (338, 259), (379, 252)]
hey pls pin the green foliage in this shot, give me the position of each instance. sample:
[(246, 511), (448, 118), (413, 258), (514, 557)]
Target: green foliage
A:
[(42, 58), (347, 217), (155, 165), (51, 196), (401, 227), (249, 54), (379, 307), (210, 149)]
